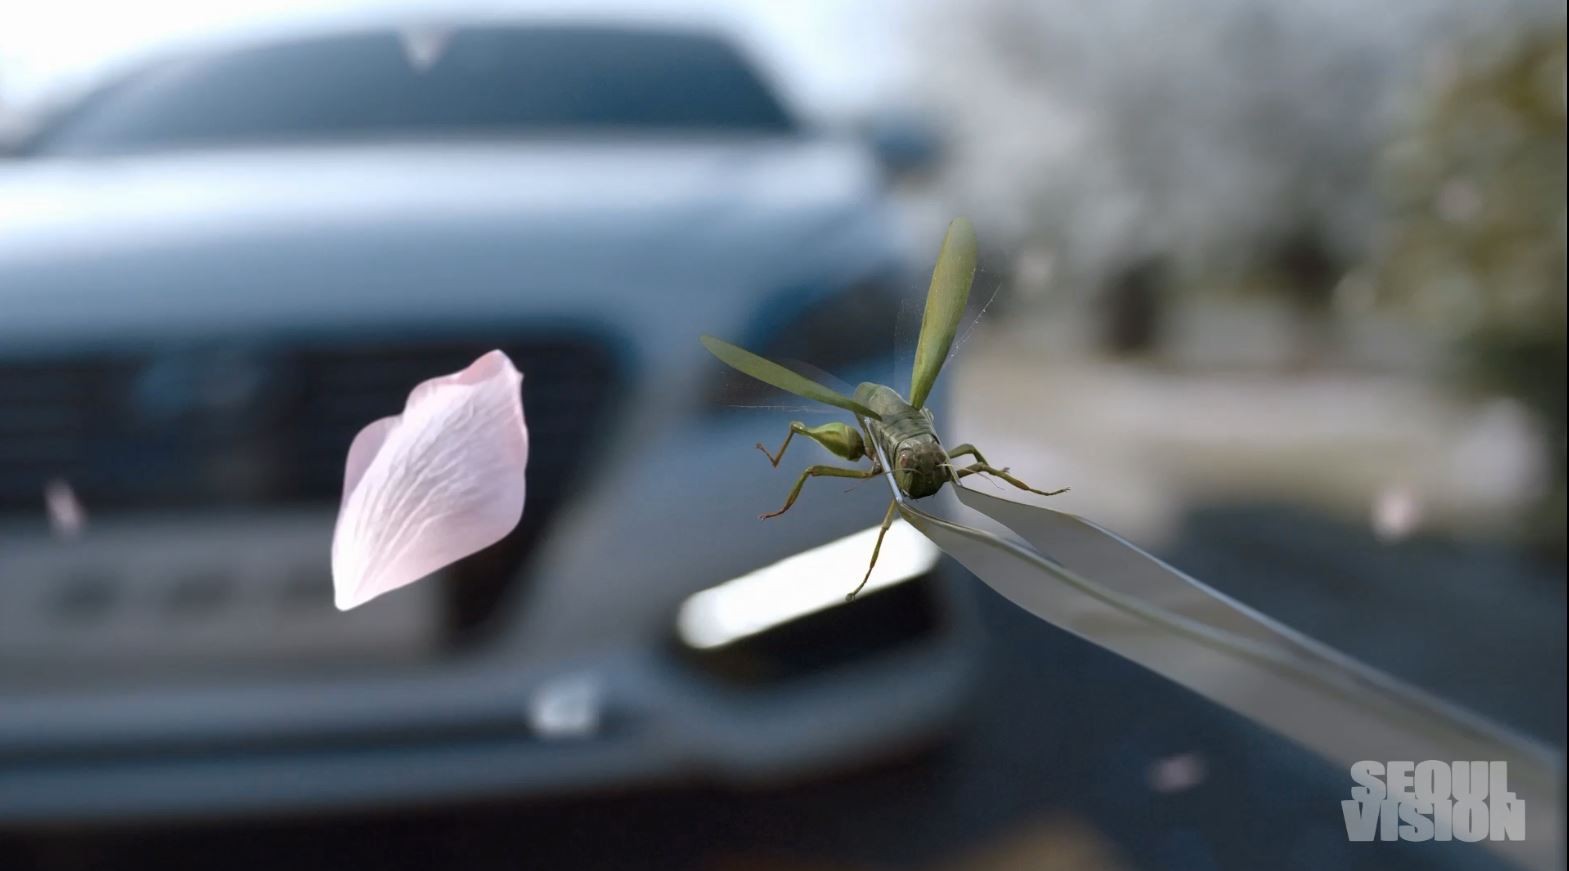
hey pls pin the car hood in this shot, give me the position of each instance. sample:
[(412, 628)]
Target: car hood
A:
[(369, 234)]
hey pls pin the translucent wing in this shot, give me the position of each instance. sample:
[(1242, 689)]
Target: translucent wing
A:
[(906, 326), (945, 302), (769, 372)]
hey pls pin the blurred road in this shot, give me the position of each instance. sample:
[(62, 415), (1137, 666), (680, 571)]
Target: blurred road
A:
[(1265, 480)]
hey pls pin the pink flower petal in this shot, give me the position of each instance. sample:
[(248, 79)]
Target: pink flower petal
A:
[(67, 518), (438, 482)]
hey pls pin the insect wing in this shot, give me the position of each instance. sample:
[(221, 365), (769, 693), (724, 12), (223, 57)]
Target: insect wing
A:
[(945, 302), (770, 372)]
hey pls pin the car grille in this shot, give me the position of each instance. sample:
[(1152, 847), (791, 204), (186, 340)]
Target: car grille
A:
[(237, 428)]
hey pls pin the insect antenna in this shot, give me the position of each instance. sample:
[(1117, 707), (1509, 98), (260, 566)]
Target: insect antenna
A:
[(953, 473)]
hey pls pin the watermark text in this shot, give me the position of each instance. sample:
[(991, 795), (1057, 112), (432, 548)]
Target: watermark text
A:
[(1433, 801)]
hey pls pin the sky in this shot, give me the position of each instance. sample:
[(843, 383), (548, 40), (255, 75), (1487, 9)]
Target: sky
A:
[(831, 56)]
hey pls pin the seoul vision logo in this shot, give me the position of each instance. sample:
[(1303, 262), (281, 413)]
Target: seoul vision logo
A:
[(1433, 801)]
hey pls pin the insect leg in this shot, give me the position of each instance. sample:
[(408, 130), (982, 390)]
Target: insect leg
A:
[(840, 439), (816, 471), (893, 507), (795, 427), (982, 468), (966, 449), (960, 451)]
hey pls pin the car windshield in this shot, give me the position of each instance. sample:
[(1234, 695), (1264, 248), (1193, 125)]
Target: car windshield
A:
[(390, 84)]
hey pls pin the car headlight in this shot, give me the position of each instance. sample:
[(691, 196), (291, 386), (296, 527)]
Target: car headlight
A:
[(797, 586)]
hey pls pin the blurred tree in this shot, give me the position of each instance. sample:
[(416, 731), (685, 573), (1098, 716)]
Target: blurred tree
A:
[(1236, 140), (1475, 189), (1132, 319)]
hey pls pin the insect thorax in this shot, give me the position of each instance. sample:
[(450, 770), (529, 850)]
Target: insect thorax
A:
[(908, 439)]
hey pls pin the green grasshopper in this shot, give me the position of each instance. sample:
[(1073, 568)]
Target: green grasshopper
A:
[(904, 430)]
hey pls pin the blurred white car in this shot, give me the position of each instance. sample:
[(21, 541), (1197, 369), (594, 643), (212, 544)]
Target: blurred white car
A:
[(217, 267)]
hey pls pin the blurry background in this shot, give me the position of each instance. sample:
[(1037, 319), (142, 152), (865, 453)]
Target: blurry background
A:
[(1278, 289)]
